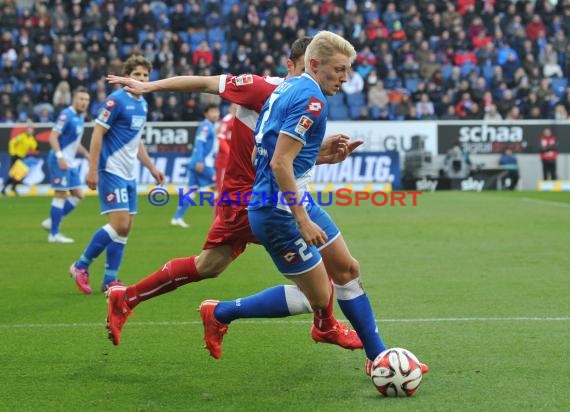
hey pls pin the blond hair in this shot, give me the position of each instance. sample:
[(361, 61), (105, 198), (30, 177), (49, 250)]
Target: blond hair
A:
[(325, 45)]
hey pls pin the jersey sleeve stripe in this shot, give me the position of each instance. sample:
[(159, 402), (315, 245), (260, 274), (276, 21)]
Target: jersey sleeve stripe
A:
[(222, 86), (292, 136), (105, 125)]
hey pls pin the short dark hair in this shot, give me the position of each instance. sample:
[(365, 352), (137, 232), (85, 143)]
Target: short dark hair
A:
[(80, 89), (134, 61), (210, 106), (299, 47)]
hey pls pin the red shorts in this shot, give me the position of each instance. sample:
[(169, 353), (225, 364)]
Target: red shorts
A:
[(230, 227)]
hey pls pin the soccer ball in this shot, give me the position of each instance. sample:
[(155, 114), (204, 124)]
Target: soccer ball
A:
[(396, 372)]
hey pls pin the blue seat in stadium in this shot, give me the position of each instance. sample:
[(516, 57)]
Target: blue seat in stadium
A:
[(158, 36), (197, 37), (412, 84), (141, 36), (216, 34), (336, 100), (355, 100), (374, 112), (154, 75), (469, 67), (125, 50), (94, 32), (312, 32), (339, 112), (488, 72), (227, 6), (158, 8), (354, 111), (184, 37), (446, 71), (558, 85)]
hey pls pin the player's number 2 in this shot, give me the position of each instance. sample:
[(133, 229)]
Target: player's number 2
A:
[(303, 250)]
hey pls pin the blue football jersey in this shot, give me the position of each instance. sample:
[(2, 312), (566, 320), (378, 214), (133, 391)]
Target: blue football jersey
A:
[(69, 125), (124, 117), (205, 144), (297, 108)]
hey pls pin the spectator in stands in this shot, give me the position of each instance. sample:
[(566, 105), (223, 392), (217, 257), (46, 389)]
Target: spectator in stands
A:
[(491, 114), (425, 108), (435, 33), (464, 105), (551, 68), (430, 66), (449, 114), (410, 69), (62, 96), (25, 108), (145, 18), (560, 112), (354, 84), (377, 99)]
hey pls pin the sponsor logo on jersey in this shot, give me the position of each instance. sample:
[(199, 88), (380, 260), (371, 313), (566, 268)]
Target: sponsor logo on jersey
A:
[(315, 106), (137, 122), (290, 256), (110, 197), (104, 115), (244, 79), (304, 124), (110, 103)]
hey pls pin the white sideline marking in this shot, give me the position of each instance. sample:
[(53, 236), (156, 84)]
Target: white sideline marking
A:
[(282, 321), (545, 202)]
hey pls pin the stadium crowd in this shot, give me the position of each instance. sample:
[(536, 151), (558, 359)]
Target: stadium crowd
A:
[(417, 59)]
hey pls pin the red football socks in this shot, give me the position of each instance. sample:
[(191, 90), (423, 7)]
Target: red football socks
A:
[(174, 273), (324, 319)]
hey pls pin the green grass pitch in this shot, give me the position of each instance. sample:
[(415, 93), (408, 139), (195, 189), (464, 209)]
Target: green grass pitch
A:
[(475, 284)]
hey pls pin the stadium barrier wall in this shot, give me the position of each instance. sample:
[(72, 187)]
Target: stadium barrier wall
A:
[(377, 161)]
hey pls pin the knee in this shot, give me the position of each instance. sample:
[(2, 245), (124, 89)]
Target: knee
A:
[(122, 228), (208, 268), (350, 272), (320, 303)]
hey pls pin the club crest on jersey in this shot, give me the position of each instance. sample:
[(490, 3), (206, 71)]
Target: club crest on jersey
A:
[(110, 197), (110, 103), (304, 124), (315, 106), (244, 79), (290, 256)]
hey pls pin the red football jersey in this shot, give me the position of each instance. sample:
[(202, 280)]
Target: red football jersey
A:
[(249, 92), (224, 137)]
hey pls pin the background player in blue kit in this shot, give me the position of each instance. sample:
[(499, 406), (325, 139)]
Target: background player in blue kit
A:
[(303, 241), (65, 141), (115, 145), (201, 171)]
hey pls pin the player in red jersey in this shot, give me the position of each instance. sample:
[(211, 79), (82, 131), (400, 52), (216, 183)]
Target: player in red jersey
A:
[(230, 233), (225, 130)]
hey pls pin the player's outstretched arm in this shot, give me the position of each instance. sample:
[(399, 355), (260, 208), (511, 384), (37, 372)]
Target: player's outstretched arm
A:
[(336, 148), (197, 84)]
